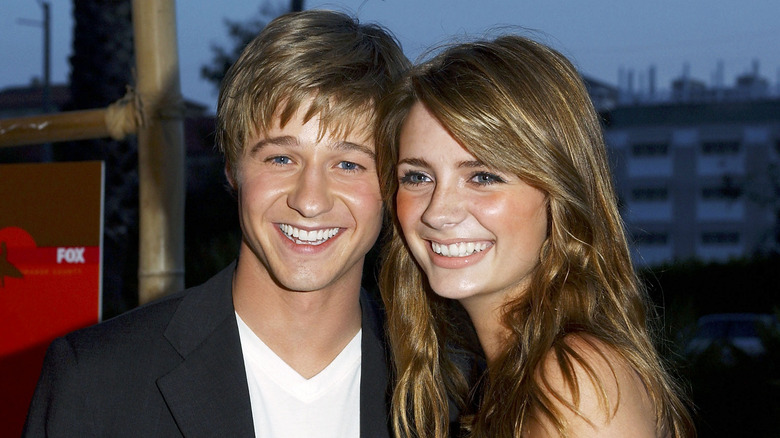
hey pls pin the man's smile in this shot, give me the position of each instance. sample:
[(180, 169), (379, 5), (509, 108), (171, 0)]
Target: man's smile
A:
[(308, 237)]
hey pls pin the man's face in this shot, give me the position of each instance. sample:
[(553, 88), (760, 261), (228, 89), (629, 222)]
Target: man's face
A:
[(310, 209)]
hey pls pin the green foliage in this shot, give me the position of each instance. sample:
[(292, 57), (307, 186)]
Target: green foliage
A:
[(736, 397), (745, 285), (240, 34)]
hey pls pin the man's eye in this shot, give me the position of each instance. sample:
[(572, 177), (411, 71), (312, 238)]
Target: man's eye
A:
[(413, 178), (281, 160), (348, 165), (486, 178)]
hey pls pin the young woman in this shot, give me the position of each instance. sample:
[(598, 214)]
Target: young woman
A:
[(493, 163)]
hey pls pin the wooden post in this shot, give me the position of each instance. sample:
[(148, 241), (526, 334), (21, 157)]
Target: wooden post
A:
[(117, 120), (160, 150), (45, 128)]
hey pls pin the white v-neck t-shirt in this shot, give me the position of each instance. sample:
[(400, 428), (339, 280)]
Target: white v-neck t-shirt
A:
[(285, 404)]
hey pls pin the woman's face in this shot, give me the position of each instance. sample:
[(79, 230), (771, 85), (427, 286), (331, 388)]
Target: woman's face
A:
[(476, 232)]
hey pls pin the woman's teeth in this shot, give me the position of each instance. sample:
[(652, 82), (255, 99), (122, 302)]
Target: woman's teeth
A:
[(462, 249)]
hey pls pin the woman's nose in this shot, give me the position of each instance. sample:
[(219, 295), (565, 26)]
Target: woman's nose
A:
[(445, 208)]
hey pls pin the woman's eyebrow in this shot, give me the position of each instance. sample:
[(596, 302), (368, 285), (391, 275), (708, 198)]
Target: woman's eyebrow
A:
[(418, 162), (471, 164)]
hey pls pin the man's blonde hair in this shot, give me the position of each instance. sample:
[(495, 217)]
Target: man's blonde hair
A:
[(327, 58)]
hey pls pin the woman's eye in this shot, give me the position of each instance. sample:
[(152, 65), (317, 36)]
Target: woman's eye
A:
[(350, 166), (486, 178), (413, 178)]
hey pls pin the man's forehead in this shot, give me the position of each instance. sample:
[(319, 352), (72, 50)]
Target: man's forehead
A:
[(334, 127), (289, 141), (354, 135)]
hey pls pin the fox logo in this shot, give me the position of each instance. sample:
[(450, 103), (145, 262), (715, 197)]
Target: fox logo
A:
[(70, 255)]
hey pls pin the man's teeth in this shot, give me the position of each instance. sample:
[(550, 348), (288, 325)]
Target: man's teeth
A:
[(313, 237), (462, 249)]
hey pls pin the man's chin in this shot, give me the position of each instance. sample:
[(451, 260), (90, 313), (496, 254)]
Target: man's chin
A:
[(303, 282)]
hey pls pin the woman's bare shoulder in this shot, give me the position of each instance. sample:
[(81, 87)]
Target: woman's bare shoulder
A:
[(608, 398)]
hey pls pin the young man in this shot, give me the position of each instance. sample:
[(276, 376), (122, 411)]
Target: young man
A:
[(282, 342)]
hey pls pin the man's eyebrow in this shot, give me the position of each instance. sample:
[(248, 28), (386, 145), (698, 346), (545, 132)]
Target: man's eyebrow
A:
[(285, 140), (350, 146), (288, 140)]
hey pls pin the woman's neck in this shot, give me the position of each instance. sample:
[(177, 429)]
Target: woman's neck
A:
[(488, 321)]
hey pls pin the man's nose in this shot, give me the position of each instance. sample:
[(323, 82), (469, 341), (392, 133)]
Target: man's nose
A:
[(311, 194)]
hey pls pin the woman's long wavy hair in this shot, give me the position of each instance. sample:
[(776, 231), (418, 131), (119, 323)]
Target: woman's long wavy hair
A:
[(522, 108)]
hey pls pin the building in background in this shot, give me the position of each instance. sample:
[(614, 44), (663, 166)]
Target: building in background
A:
[(697, 168), (32, 99)]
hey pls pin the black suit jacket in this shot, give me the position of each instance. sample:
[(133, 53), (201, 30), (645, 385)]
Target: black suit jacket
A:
[(174, 368)]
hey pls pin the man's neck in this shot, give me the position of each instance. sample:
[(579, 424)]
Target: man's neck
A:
[(305, 329)]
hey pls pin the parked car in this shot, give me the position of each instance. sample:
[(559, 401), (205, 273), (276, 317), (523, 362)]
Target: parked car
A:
[(741, 331)]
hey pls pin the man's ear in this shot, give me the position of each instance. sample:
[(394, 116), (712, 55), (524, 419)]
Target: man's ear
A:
[(230, 177)]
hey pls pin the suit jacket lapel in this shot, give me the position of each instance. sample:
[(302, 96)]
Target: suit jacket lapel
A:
[(374, 389), (207, 393)]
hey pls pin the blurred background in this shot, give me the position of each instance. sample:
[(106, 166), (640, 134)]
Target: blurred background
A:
[(689, 93)]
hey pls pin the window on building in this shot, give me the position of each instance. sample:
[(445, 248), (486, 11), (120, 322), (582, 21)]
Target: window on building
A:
[(719, 238), (651, 238), (720, 193), (720, 147), (650, 194), (728, 189), (650, 149)]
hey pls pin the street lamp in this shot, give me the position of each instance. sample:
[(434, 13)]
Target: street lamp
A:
[(46, 25)]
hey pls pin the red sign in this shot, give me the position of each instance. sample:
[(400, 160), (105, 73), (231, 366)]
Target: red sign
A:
[(50, 268)]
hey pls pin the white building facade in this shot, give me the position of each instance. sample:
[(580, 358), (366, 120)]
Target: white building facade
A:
[(697, 179)]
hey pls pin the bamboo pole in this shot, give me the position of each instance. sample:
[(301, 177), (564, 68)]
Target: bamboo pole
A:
[(160, 150), (119, 119), (74, 125)]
